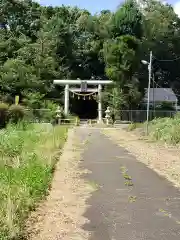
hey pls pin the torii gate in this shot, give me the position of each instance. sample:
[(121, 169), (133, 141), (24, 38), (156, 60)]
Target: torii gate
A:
[(83, 88)]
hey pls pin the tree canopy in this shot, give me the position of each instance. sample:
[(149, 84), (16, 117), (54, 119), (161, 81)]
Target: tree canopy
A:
[(39, 44)]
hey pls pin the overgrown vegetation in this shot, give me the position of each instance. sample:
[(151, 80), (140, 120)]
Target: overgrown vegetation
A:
[(133, 126), (166, 130), (16, 112), (28, 154)]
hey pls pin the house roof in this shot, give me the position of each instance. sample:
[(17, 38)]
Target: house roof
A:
[(160, 95)]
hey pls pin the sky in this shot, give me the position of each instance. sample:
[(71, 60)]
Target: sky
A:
[(92, 5), (97, 5)]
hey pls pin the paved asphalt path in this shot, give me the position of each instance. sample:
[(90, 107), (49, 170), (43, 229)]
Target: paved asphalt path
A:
[(148, 210)]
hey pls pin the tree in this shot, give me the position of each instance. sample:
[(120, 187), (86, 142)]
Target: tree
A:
[(16, 76), (121, 62), (162, 36), (127, 20), (114, 98)]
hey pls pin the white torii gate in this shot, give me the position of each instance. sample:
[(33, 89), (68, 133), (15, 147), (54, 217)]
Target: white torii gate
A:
[(99, 83)]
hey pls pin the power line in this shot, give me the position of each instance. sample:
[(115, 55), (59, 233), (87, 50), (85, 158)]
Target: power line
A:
[(167, 60)]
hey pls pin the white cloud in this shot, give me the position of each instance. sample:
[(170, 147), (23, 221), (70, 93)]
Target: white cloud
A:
[(177, 8)]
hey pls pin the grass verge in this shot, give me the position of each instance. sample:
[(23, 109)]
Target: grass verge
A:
[(28, 154), (133, 126), (166, 130)]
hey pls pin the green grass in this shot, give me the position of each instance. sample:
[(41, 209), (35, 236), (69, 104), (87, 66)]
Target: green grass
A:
[(161, 129), (166, 130), (123, 169), (127, 177), (132, 199), (28, 154), (129, 183), (94, 185), (134, 126)]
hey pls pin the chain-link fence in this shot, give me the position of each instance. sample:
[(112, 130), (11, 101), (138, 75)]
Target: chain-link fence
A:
[(141, 115), (40, 115), (47, 116)]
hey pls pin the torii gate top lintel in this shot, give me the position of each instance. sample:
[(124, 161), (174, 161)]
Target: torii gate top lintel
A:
[(79, 81)]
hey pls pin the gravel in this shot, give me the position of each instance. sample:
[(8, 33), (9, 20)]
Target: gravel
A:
[(165, 160)]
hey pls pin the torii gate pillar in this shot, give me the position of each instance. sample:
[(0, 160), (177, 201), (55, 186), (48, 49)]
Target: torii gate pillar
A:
[(78, 82), (66, 99), (100, 103)]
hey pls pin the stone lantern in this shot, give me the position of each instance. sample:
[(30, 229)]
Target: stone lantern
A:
[(58, 114), (108, 115)]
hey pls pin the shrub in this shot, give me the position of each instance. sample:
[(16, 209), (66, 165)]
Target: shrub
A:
[(33, 100), (166, 130), (48, 111), (16, 113), (42, 110), (133, 126), (3, 114)]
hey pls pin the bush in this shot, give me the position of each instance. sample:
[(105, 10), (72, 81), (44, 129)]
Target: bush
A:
[(33, 100), (48, 111), (134, 126), (42, 110), (3, 114), (16, 113), (27, 159), (165, 129)]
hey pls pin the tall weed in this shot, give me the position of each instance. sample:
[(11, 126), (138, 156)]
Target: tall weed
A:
[(166, 130), (27, 159)]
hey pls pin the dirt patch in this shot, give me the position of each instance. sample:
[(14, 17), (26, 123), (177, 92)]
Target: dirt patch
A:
[(163, 159), (60, 216)]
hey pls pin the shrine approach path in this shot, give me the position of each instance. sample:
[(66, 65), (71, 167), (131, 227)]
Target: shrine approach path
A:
[(136, 205), (129, 201)]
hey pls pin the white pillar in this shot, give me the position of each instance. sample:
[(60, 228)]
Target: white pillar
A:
[(66, 99), (100, 103), (176, 106)]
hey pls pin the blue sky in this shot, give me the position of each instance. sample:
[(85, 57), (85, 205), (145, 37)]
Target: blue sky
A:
[(92, 5)]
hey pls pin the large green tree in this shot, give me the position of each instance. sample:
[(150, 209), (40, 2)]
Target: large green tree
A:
[(127, 20), (121, 62), (162, 35)]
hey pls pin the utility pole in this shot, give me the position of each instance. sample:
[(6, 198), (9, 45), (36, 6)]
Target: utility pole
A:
[(153, 97), (149, 86)]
